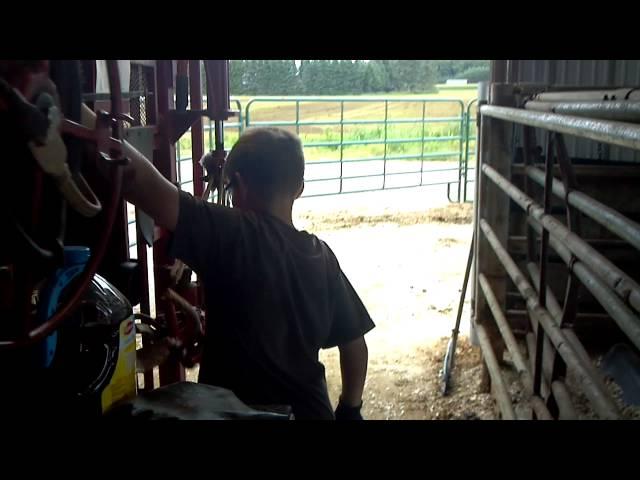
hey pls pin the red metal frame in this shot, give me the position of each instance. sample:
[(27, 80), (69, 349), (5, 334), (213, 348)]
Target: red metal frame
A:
[(99, 251), (172, 303)]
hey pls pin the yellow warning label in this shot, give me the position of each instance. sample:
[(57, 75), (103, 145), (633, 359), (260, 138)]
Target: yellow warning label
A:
[(123, 382)]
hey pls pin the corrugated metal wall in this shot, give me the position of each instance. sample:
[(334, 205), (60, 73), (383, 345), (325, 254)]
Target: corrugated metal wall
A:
[(596, 73)]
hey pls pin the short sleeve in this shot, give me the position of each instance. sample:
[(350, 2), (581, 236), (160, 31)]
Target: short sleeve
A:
[(350, 319), (203, 233)]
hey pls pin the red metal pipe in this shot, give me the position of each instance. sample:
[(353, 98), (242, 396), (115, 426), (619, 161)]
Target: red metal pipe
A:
[(197, 134)]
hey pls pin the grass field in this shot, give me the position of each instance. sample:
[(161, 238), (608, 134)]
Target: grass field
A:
[(451, 101)]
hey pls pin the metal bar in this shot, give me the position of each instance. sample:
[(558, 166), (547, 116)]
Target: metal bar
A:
[(372, 190), (531, 348), (542, 279), (358, 99), (240, 123), (327, 123), (298, 117), (607, 217), (513, 348), (165, 162), (615, 307), (105, 97), (564, 404), (605, 131), (496, 140), (227, 124), (561, 395), (556, 313), (590, 95), (461, 155), (538, 406), (557, 337), (583, 317), (503, 398), (197, 134), (619, 111), (341, 141), (466, 153), (178, 160), (141, 247), (619, 281), (397, 157), (424, 111), (384, 165), (380, 157), (529, 151), (383, 142), (371, 175), (611, 171), (483, 95), (594, 242)]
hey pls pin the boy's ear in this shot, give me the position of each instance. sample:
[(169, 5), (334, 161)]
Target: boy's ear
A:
[(300, 191)]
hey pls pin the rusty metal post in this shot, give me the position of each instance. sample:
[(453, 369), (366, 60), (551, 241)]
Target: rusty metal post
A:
[(483, 97), (218, 110), (492, 207), (544, 250), (165, 162), (197, 134)]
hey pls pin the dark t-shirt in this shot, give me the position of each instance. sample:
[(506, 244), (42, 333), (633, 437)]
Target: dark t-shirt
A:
[(274, 297)]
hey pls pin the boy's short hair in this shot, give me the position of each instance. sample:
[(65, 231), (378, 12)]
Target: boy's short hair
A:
[(270, 160)]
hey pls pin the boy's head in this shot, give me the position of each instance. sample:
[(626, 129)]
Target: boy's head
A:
[(265, 166)]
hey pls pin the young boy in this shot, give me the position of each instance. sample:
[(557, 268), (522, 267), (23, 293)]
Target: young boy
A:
[(279, 293)]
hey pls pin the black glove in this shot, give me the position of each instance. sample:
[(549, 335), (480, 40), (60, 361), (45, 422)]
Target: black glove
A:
[(344, 412)]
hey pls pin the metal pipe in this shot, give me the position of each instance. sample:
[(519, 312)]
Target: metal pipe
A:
[(602, 405), (594, 242), (556, 313), (514, 350), (611, 171), (607, 217), (617, 280), (542, 292), (626, 319), (590, 95), (182, 85), (187, 308), (503, 399), (605, 131), (531, 348), (197, 133), (587, 317), (618, 111), (538, 406), (563, 400)]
